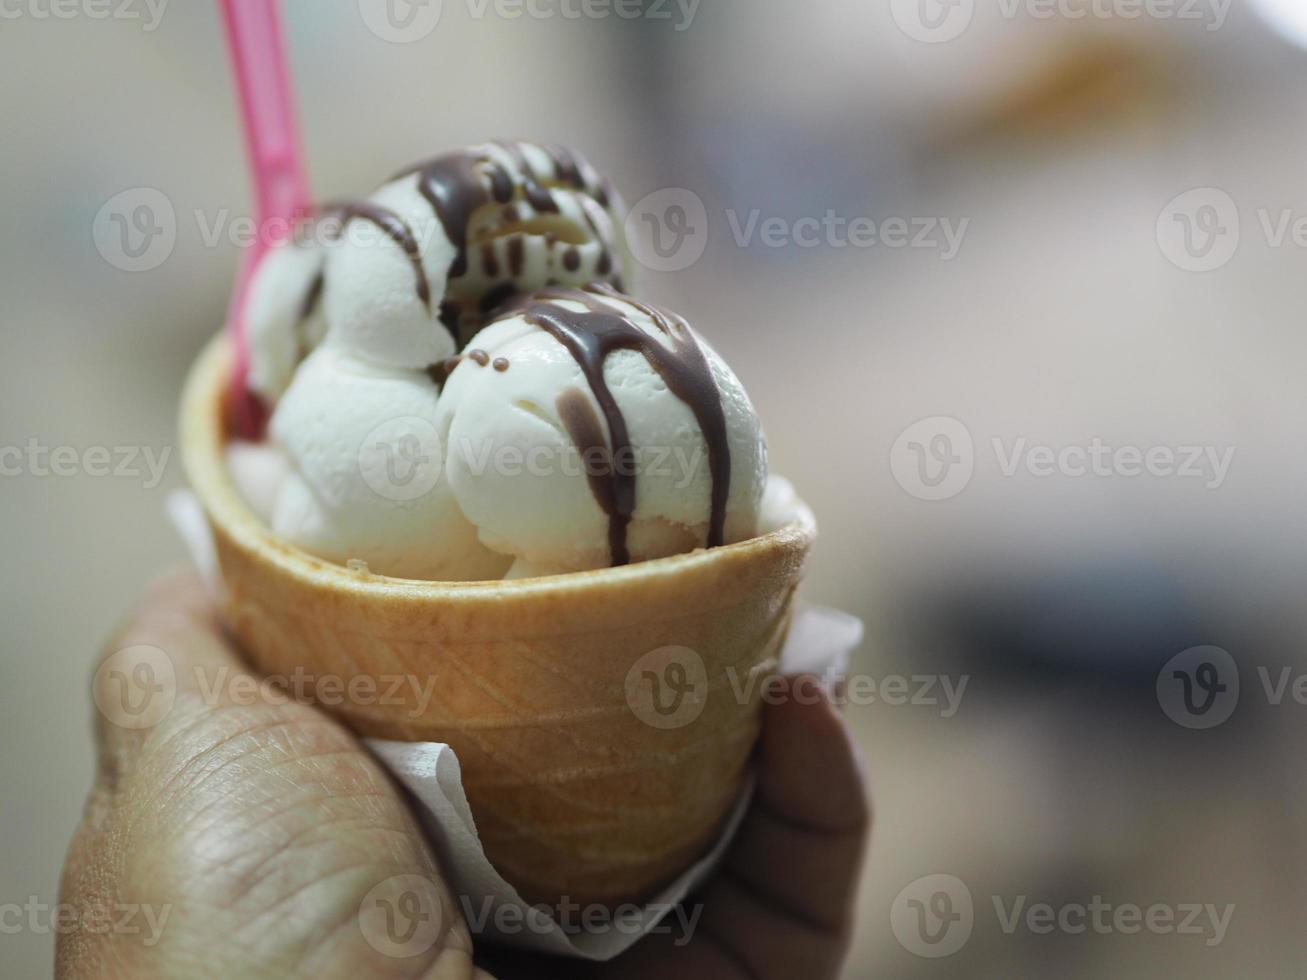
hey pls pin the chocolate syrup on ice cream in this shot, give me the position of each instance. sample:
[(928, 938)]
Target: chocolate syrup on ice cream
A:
[(590, 335), (395, 228), (456, 185)]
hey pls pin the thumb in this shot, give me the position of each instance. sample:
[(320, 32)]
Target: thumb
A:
[(258, 823), (157, 672)]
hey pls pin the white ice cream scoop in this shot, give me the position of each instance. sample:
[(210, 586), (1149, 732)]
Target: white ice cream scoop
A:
[(586, 430), (366, 480), (406, 276), (285, 319)]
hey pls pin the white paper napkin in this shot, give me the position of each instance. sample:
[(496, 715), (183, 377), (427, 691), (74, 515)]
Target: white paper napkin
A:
[(819, 643)]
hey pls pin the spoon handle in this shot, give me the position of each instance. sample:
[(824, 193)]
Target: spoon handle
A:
[(257, 47)]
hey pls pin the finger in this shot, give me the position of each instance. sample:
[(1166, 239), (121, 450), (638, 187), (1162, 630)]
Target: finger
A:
[(155, 671), (181, 715), (806, 832), (247, 814), (782, 903)]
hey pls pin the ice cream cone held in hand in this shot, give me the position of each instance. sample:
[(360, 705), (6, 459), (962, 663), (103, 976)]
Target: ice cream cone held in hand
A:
[(520, 508)]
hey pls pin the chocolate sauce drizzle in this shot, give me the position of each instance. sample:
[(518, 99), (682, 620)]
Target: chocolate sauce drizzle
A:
[(590, 336), (310, 303), (536, 193), (456, 185), (395, 228), (439, 373), (517, 255)]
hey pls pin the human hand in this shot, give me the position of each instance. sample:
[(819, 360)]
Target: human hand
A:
[(256, 832)]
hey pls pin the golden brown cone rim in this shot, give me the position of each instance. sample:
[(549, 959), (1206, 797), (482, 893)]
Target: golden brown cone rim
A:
[(202, 440)]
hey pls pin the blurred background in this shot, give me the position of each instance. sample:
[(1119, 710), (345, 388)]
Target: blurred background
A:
[(1080, 252)]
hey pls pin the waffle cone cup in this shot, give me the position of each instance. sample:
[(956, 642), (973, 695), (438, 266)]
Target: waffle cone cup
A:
[(603, 720)]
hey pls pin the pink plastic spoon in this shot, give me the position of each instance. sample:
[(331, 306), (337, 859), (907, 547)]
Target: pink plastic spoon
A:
[(281, 188)]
